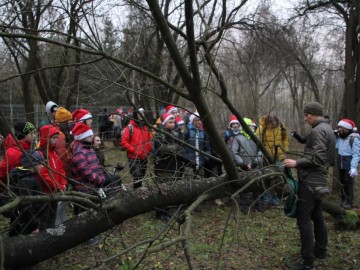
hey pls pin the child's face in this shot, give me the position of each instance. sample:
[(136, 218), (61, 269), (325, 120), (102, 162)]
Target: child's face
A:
[(170, 124), (197, 122), (96, 142), (53, 140), (174, 112), (38, 167), (235, 126), (252, 128), (29, 138), (88, 122), (88, 139)]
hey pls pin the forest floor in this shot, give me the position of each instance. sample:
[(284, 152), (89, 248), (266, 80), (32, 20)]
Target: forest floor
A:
[(221, 238)]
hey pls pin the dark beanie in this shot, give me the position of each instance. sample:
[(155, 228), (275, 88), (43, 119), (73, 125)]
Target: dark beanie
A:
[(21, 129), (31, 158), (314, 108)]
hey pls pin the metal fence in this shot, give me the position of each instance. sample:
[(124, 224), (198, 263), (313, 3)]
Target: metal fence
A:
[(16, 112)]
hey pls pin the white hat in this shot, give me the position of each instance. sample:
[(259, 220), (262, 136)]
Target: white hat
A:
[(51, 107), (192, 116)]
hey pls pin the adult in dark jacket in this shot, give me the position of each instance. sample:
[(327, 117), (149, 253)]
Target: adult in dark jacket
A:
[(104, 125), (167, 152), (312, 172), (168, 157)]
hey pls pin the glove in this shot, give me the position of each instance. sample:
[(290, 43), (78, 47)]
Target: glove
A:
[(353, 172), (244, 167), (102, 193), (293, 133)]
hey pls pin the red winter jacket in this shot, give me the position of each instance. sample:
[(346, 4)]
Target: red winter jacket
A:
[(138, 144), (11, 158), (52, 179)]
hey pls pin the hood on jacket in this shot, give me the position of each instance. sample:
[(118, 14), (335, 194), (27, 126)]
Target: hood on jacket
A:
[(10, 142), (269, 121), (262, 120), (45, 133)]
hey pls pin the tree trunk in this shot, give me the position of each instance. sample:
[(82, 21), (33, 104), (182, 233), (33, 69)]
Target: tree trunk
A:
[(33, 249), (351, 101)]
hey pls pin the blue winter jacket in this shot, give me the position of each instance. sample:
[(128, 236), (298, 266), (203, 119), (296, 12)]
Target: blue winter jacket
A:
[(348, 156), (203, 142)]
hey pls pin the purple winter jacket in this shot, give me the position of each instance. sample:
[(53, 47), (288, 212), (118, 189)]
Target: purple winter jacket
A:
[(86, 167)]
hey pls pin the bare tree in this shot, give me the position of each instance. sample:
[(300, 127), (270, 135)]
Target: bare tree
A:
[(348, 11), (191, 48)]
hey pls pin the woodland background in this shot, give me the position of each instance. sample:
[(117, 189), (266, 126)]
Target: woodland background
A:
[(246, 58)]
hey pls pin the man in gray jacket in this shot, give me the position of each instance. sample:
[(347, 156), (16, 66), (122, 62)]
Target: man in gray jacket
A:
[(312, 172)]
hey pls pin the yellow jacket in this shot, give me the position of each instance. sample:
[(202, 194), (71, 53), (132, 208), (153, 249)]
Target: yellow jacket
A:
[(271, 137)]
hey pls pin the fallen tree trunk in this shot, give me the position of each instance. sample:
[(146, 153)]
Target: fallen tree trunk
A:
[(344, 219), (124, 205), (33, 249)]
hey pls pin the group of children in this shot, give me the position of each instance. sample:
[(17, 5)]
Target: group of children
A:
[(68, 155), (64, 157)]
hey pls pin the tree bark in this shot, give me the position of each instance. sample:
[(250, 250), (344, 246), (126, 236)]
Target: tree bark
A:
[(33, 249)]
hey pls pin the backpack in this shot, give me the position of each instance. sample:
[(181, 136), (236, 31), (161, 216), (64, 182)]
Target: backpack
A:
[(352, 139), (228, 134), (120, 133), (7, 195), (5, 198), (290, 206)]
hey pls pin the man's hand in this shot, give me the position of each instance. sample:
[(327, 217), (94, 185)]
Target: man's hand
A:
[(290, 163)]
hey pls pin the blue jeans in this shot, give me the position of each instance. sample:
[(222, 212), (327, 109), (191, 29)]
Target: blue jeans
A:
[(269, 199)]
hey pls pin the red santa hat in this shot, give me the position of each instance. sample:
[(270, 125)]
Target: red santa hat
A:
[(179, 120), (347, 123), (166, 117), (170, 109), (81, 115), (233, 120), (81, 131)]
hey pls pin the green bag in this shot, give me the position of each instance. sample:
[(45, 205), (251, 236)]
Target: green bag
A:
[(290, 206)]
